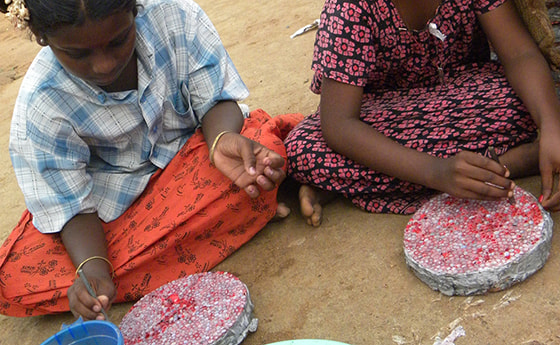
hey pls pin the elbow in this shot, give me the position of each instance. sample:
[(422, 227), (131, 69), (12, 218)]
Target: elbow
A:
[(333, 136), (330, 139)]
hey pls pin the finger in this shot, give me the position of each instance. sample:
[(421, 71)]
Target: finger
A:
[(86, 307), (248, 157), (547, 181), (275, 175), (106, 291), (102, 305), (490, 177), (105, 302), (490, 191), (551, 200), (475, 166), (265, 183), (273, 159), (487, 163), (252, 191), (467, 194), (474, 189), (102, 289), (553, 203), (73, 300), (486, 184)]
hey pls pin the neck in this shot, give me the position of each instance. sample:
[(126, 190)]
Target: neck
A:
[(416, 13), (128, 80)]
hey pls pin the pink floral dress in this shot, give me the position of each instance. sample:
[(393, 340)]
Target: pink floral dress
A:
[(436, 91)]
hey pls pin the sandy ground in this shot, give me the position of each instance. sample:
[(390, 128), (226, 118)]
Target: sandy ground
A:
[(346, 281)]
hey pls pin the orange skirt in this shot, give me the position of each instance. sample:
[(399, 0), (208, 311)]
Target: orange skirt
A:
[(189, 218)]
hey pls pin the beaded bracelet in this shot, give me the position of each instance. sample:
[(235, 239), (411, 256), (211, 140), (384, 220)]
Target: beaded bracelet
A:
[(213, 147), (94, 258)]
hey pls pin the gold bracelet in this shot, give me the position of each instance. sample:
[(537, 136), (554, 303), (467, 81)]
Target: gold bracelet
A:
[(94, 258), (213, 147)]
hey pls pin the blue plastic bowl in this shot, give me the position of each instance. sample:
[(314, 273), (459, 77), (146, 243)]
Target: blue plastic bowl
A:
[(87, 332)]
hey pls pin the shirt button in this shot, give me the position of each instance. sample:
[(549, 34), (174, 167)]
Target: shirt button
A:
[(101, 97)]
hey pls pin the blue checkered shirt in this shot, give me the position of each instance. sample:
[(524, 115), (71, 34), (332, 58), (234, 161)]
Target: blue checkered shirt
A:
[(77, 149)]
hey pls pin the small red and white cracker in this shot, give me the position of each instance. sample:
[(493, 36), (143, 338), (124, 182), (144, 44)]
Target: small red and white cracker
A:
[(212, 308), (465, 246)]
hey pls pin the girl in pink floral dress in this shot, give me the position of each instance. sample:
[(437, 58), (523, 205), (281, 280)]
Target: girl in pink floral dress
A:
[(411, 101)]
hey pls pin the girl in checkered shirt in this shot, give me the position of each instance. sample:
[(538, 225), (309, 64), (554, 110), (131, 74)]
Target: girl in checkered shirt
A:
[(136, 162)]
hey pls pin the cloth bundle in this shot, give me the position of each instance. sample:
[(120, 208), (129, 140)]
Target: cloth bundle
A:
[(536, 16)]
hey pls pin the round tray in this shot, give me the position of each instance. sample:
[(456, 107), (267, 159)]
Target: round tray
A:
[(212, 308), (465, 247)]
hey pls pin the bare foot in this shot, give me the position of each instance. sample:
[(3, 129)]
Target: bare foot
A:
[(522, 160), (282, 211), (311, 200)]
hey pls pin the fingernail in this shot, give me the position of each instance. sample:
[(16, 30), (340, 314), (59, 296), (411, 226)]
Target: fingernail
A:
[(269, 172), (541, 198), (252, 171)]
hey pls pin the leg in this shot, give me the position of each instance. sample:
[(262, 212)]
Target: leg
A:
[(523, 160), (311, 201), (324, 173), (475, 110), (29, 263), (282, 211), (189, 218)]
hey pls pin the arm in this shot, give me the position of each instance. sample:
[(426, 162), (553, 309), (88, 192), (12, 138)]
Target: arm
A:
[(530, 76), (212, 78), (247, 163), (83, 238), (463, 175)]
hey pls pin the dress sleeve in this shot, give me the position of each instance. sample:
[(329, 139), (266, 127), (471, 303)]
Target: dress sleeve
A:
[(344, 48), (483, 6), (212, 76), (49, 161)]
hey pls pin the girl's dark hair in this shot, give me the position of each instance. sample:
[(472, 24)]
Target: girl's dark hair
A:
[(46, 16)]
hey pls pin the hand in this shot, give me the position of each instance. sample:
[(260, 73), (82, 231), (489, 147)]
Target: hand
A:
[(88, 307), (549, 165), (248, 164), (470, 175)]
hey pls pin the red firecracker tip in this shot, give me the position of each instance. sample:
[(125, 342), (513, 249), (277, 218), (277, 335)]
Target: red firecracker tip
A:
[(456, 236), (197, 309)]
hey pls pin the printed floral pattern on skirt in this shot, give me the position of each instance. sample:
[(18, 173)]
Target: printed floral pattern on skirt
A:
[(189, 219)]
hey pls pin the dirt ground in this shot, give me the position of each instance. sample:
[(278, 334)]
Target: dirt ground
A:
[(346, 281)]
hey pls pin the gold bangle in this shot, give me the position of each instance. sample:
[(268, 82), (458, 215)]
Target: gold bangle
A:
[(94, 258), (213, 147)]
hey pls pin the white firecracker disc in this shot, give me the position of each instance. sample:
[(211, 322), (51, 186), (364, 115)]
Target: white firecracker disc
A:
[(212, 308), (467, 247)]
